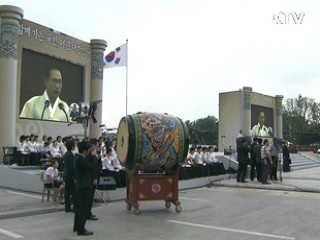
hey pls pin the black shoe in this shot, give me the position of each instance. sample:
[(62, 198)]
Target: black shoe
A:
[(85, 233), (244, 181), (265, 183), (68, 210), (93, 218), (75, 230)]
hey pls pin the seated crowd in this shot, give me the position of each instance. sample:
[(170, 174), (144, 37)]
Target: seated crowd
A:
[(30, 150), (201, 162)]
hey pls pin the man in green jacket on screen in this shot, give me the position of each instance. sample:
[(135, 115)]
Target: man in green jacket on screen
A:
[(48, 106)]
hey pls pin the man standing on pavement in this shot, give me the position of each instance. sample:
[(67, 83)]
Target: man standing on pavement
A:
[(286, 157), (266, 161), (83, 171), (274, 152), (243, 160), (69, 176), (253, 161), (93, 157), (257, 154)]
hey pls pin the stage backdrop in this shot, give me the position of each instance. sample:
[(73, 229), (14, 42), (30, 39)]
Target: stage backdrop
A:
[(239, 110), (41, 48)]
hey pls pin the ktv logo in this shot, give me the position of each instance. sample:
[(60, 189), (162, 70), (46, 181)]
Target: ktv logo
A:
[(288, 17)]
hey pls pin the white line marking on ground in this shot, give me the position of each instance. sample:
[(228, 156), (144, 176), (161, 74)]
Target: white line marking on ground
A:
[(231, 230), (10, 234), (194, 199), (24, 194)]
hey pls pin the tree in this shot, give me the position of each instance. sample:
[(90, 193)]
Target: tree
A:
[(204, 131), (301, 120)]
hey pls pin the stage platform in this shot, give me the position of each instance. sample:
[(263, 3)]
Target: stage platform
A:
[(26, 178)]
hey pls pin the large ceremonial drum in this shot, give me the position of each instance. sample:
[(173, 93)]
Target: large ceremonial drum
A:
[(157, 141)]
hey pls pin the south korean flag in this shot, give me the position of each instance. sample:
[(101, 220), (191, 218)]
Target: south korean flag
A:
[(116, 58)]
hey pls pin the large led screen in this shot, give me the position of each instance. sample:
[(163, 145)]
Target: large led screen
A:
[(48, 86), (261, 121)]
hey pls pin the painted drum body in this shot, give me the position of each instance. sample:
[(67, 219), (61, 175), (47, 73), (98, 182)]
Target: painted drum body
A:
[(157, 141)]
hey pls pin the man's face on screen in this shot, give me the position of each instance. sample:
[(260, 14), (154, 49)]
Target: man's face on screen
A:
[(54, 84), (261, 118)]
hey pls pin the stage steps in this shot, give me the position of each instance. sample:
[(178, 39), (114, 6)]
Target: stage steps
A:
[(299, 162)]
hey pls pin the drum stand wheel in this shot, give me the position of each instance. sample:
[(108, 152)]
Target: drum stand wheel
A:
[(136, 211), (178, 209), (178, 206), (129, 206), (177, 203)]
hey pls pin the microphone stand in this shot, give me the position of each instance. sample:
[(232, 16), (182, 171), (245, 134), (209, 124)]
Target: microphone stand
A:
[(85, 123), (44, 108), (61, 106), (65, 113), (46, 104), (280, 162)]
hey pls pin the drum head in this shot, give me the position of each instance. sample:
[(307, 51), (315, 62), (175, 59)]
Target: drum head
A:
[(123, 141)]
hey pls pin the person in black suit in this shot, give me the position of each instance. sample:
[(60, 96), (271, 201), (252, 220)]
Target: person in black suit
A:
[(253, 158), (93, 157), (83, 171), (243, 160), (286, 157), (69, 176), (257, 155)]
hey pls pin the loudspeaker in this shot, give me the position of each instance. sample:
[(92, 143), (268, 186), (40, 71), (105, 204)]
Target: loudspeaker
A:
[(107, 183)]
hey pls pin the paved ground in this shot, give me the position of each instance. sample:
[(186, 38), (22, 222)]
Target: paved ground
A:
[(244, 212), (306, 180)]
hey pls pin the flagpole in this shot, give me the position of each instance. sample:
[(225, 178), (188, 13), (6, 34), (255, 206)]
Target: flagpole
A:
[(127, 79)]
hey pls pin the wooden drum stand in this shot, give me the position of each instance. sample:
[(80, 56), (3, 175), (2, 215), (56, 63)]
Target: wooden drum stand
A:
[(143, 186)]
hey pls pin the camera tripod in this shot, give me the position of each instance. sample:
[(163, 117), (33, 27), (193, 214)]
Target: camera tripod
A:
[(280, 164)]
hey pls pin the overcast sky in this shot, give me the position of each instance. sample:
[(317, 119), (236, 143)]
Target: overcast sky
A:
[(183, 53)]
